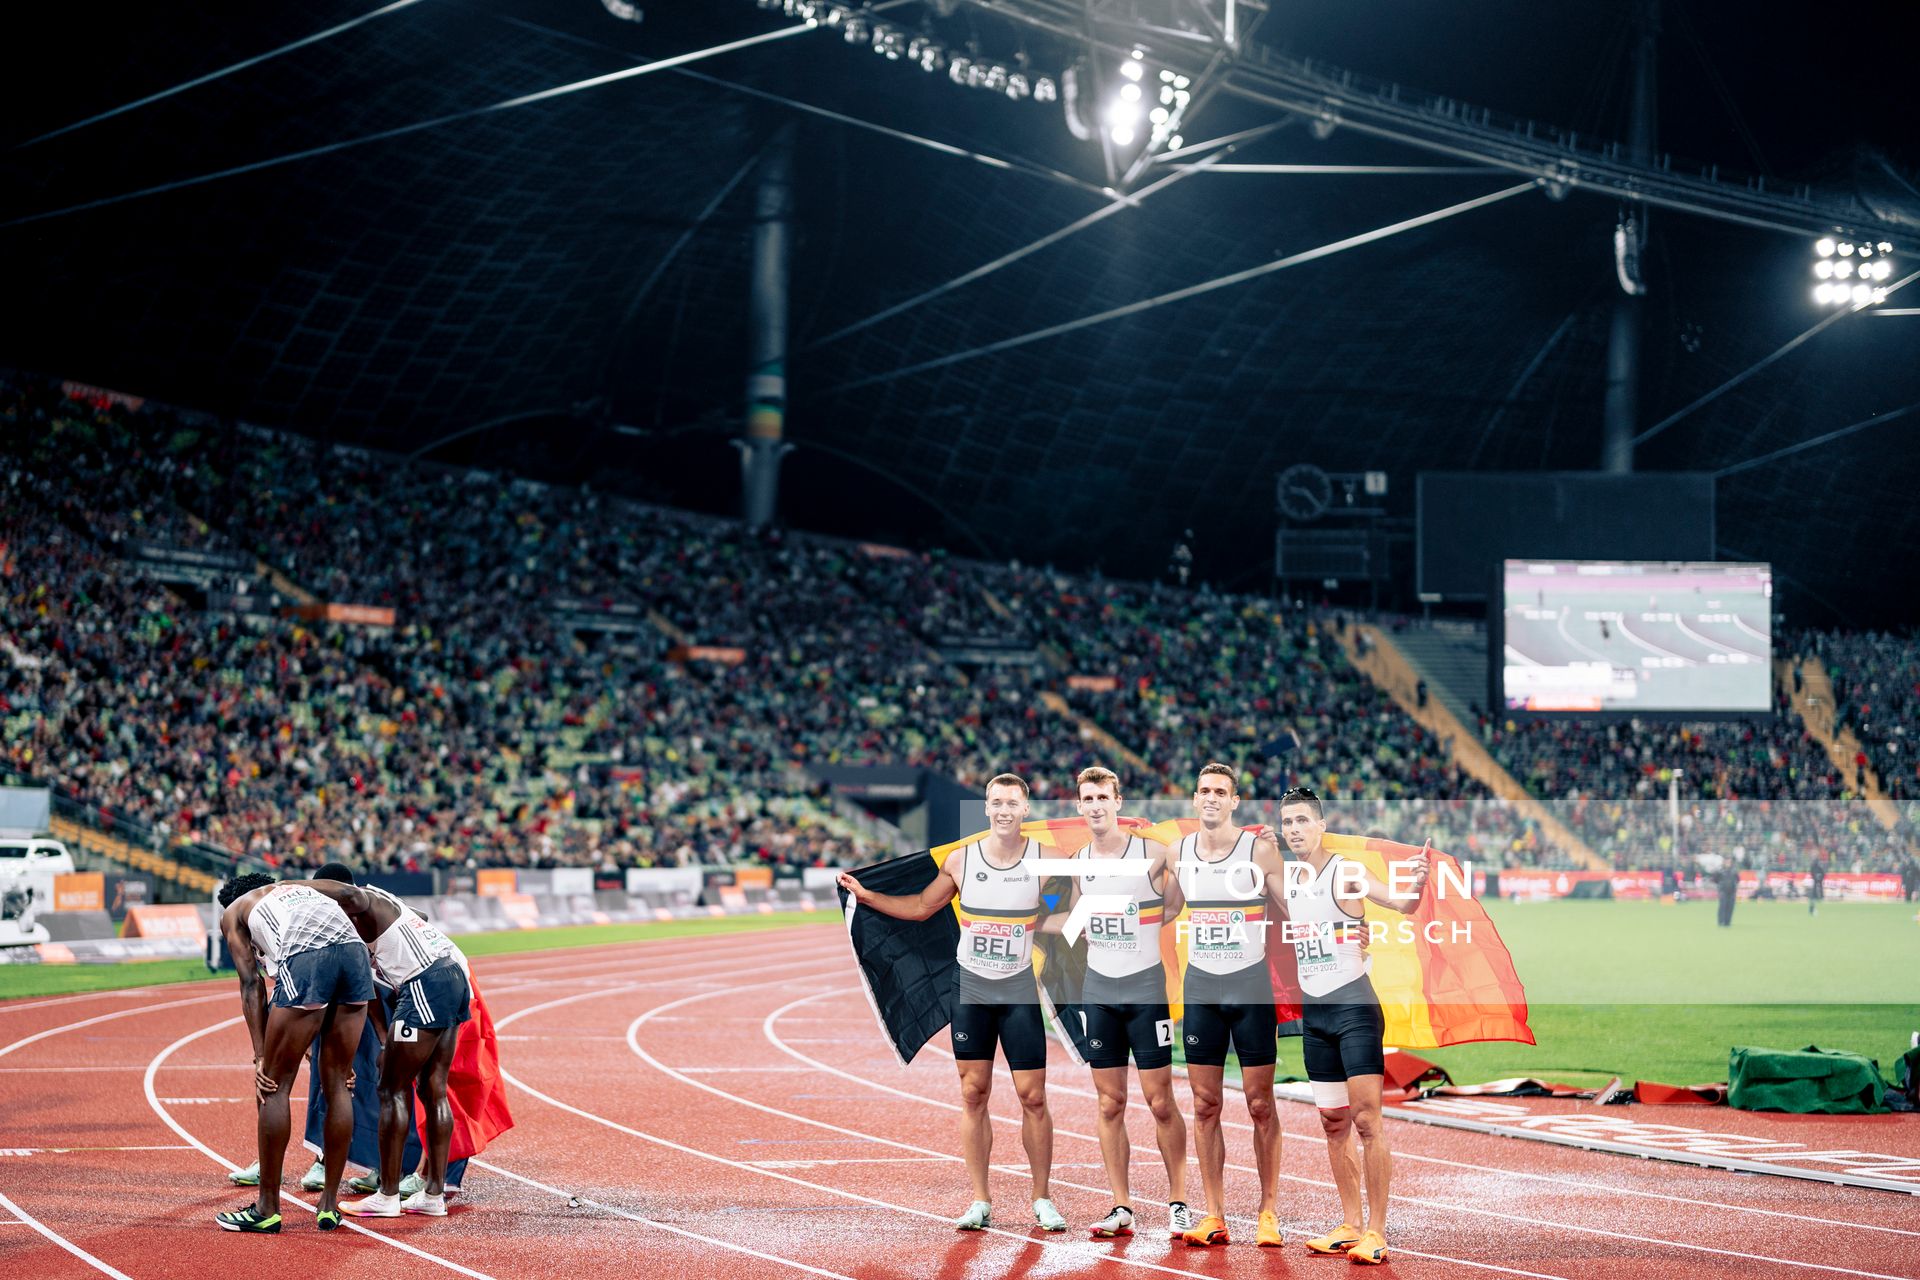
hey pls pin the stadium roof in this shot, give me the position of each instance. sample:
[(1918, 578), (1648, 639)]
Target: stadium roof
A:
[(578, 266)]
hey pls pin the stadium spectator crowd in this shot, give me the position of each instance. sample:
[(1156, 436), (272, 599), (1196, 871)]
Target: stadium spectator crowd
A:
[(574, 679), (1876, 689), (1761, 791)]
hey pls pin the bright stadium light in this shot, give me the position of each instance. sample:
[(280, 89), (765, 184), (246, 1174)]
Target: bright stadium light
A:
[(1850, 272), (1122, 135), (1130, 69)]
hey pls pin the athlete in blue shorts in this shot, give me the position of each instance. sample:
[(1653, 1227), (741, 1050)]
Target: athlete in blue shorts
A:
[(322, 983)]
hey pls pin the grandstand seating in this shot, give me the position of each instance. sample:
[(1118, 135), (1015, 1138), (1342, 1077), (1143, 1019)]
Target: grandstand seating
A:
[(573, 678)]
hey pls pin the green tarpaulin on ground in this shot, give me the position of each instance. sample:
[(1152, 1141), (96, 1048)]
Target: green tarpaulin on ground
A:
[(1810, 1080)]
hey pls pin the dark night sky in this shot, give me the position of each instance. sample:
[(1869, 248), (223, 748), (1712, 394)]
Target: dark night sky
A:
[(392, 293)]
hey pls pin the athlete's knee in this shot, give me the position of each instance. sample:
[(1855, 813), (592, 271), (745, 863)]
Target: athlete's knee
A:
[(1336, 1124), (1206, 1107), (1113, 1107), (1260, 1108), (1161, 1104), (974, 1094), (1367, 1123), (1034, 1102)]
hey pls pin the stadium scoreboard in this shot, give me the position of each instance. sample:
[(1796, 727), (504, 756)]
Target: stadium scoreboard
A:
[(1600, 636)]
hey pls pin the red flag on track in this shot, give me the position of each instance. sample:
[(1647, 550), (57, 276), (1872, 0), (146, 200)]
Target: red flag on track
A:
[(476, 1091)]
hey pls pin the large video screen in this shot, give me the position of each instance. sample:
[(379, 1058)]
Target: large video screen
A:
[(1636, 636)]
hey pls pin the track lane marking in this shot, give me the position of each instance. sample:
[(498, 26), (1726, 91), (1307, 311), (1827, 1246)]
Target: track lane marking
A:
[(774, 1038), (153, 1101), (1029, 1239), (651, 1222), (23, 1217)]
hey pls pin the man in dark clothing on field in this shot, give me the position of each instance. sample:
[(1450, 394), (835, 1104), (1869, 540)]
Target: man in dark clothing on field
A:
[(1816, 885), (1728, 881)]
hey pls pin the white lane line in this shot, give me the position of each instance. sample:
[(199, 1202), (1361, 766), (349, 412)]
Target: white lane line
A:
[(1565, 635), (1651, 647), (153, 1100), (21, 1215), (1710, 643), (38, 1036), (67, 1151), (1556, 1179), (775, 1039), (172, 1066), (109, 993), (560, 959), (1082, 1252), (650, 1222)]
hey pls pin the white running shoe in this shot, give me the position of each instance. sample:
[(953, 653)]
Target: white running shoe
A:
[(411, 1183), (314, 1179), (977, 1217), (1181, 1219), (373, 1206), (1047, 1216), (247, 1177), (1118, 1222), (421, 1202)]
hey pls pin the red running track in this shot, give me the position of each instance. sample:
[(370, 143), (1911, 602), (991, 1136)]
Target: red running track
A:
[(724, 1107)]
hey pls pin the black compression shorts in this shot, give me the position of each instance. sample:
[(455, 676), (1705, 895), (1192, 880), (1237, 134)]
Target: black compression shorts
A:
[(1344, 1033), (1231, 1010), (1006, 1012), (1113, 1029)]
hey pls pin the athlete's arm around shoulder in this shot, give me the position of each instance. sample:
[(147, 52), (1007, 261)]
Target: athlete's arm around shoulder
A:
[(1273, 868), (350, 898), (1056, 921), (1165, 872), (902, 906)]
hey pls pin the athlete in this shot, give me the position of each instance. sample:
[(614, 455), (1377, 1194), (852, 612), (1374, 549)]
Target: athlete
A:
[(1343, 1046), (322, 983), (996, 999), (1125, 998), (428, 976), (1228, 878)]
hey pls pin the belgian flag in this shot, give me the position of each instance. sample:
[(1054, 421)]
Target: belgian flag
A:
[(1441, 971)]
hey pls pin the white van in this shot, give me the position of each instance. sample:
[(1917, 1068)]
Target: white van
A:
[(33, 856)]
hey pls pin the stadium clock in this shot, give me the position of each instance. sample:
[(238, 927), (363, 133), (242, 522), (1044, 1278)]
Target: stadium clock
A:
[(1305, 492)]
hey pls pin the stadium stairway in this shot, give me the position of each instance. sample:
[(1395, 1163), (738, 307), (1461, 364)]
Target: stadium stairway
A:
[(1390, 669), (190, 880), (1815, 706), (1454, 661), (1092, 732)]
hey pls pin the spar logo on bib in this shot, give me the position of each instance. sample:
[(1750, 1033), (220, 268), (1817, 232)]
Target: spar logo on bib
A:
[(1217, 928)]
